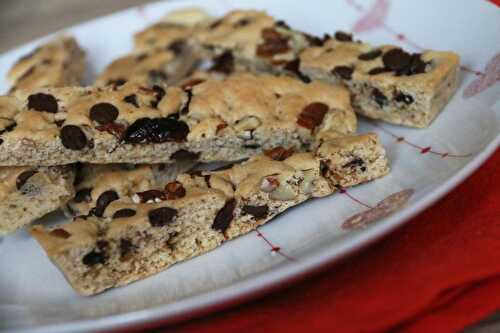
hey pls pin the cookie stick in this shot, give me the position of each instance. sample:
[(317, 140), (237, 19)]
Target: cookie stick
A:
[(134, 240), (216, 120), (27, 192), (386, 82)]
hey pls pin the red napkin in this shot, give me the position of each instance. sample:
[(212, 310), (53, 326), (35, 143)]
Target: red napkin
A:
[(439, 273)]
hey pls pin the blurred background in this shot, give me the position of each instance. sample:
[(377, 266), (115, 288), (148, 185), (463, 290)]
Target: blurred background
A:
[(24, 20)]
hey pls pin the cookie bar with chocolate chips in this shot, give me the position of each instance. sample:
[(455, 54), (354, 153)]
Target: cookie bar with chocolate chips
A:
[(58, 63), (386, 82), (216, 120), (196, 213), (27, 192)]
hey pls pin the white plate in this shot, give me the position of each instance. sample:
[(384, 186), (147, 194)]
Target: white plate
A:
[(35, 297)]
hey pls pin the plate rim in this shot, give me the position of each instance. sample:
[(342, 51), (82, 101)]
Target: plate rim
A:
[(264, 283)]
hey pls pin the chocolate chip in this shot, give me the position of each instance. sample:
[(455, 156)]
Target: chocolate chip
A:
[(126, 247), (103, 201), (242, 22), (282, 24), (379, 70), (279, 153), (215, 24), (59, 123), (156, 130), (343, 36), (207, 180), (343, 72), (251, 146), (370, 55), (79, 177), (396, 59), (103, 113), (141, 57), (174, 190), (224, 216), (72, 137), (83, 195), (379, 97), (125, 212), (60, 233), (403, 98), (8, 128), (151, 196), (157, 76), (177, 46), (356, 162), (131, 99), (323, 168), (259, 212), (185, 108), (312, 115), (417, 66), (159, 94), (116, 82), (313, 40), (115, 129), (294, 67), (23, 178), (184, 155), (162, 216), (94, 257), (42, 102), (224, 63), (274, 43)]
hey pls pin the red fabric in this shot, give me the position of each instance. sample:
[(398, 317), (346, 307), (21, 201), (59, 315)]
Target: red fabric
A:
[(439, 273)]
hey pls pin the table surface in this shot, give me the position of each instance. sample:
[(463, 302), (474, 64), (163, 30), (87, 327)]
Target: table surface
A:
[(24, 20)]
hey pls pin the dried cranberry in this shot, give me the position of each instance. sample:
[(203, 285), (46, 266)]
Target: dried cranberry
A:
[(151, 195), (312, 115), (157, 130), (279, 153), (174, 190)]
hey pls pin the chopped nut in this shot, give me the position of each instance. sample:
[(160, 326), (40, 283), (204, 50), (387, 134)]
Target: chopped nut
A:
[(307, 184), (269, 184), (283, 192), (247, 124)]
